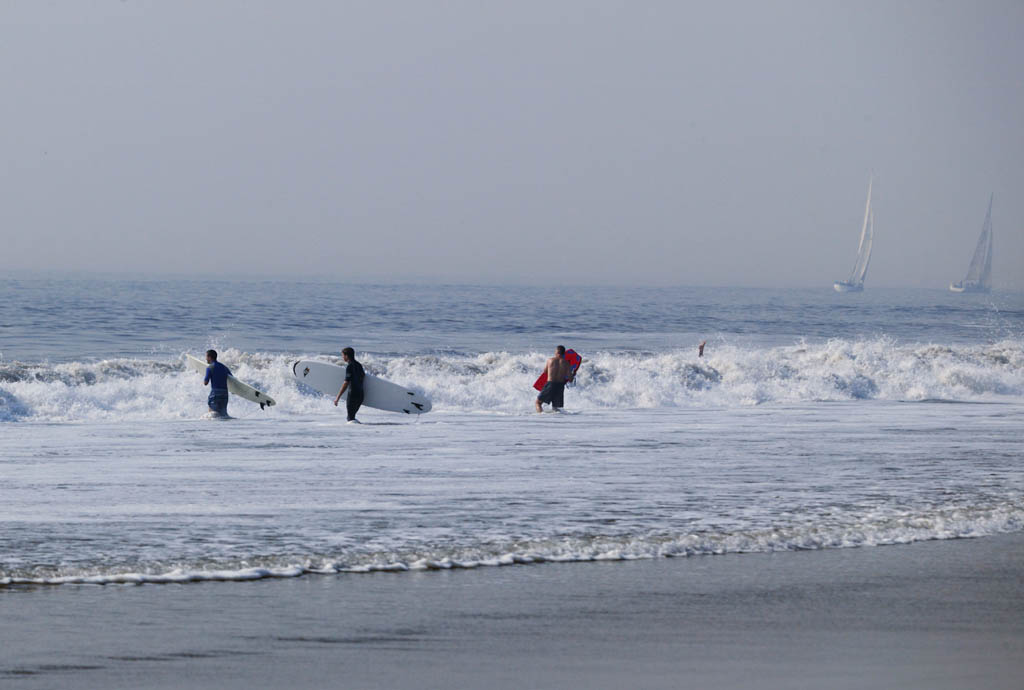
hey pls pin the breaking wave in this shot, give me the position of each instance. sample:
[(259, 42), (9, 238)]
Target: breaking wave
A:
[(728, 375), (948, 523)]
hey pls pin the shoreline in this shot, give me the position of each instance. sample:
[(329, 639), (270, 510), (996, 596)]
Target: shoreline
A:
[(934, 614), (423, 565)]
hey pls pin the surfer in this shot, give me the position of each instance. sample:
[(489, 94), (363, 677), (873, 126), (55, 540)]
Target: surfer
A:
[(354, 375), (559, 371), (700, 348), (217, 377)]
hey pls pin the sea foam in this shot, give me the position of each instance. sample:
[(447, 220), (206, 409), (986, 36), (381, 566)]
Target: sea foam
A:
[(728, 375), (904, 528)]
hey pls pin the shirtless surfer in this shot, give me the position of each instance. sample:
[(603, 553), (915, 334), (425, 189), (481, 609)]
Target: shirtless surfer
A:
[(559, 372)]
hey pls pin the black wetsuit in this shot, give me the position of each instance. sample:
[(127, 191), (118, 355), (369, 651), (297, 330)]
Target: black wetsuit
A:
[(354, 374)]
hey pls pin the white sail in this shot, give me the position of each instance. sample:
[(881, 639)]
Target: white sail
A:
[(986, 274), (864, 252), (855, 282), (979, 273)]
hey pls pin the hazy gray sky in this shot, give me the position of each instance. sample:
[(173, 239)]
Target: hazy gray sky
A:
[(696, 143)]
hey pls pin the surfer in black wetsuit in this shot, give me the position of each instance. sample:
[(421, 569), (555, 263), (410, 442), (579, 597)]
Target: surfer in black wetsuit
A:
[(354, 375)]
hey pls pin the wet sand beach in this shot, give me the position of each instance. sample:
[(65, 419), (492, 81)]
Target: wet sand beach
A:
[(938, 614)]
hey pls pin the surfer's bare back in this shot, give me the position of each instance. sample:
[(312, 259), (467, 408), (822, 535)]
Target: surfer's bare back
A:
[(559, 371)]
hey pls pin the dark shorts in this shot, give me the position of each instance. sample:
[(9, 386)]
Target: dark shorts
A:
[(218, 402), (553, 393), (352, 403)]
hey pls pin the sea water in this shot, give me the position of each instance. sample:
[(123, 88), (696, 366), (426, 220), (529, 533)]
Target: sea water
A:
[(813, 420)]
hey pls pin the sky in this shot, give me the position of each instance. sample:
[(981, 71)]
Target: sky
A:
[(547, 143)]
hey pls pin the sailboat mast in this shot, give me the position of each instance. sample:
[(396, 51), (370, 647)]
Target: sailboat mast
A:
[(867, 214), (986, 273)]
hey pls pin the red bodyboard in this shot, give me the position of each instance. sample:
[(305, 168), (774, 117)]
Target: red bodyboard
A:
[(574, 360)]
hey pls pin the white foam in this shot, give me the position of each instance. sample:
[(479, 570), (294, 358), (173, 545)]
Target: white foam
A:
[(951, 523), (839, 370)]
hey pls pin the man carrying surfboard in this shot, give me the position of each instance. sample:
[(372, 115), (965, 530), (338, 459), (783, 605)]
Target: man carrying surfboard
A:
[(354, 376), (217, 377), (559, 371)]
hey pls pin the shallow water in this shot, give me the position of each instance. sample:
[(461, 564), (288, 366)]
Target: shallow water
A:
[(813, 421)]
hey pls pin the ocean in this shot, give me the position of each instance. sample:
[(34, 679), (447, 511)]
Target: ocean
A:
[(814, 420)]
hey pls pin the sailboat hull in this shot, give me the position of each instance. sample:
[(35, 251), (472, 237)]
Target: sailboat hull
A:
[(961, 287), (843, 286)]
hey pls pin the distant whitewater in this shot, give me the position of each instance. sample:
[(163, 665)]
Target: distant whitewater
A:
[(126, 389)]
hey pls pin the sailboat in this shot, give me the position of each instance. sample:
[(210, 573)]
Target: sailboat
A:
[(855, 283), (979, 273)]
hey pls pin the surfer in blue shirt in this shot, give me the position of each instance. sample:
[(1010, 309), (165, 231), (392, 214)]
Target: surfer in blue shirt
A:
[(217, 377), (354, 376)]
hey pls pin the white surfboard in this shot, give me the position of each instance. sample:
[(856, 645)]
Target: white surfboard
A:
[(235, 387), (378, 393)]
